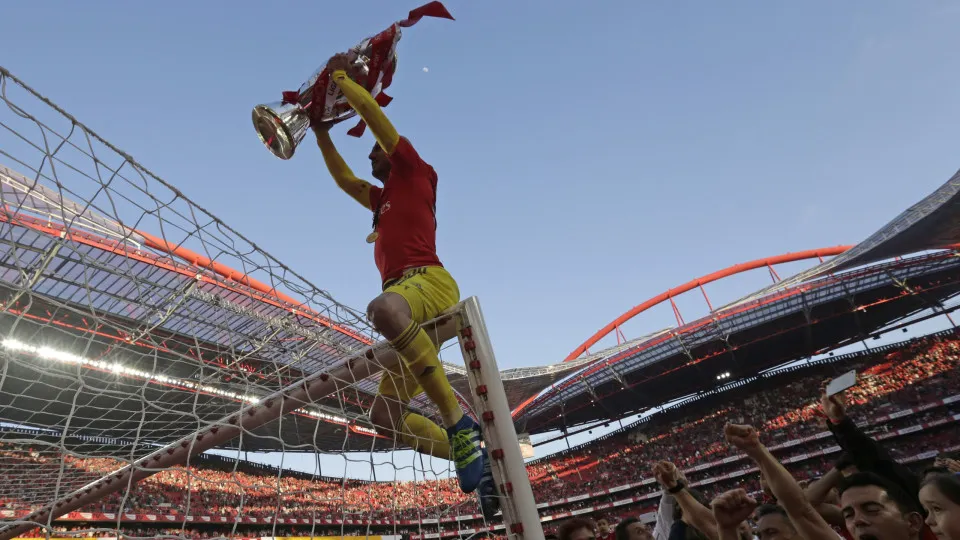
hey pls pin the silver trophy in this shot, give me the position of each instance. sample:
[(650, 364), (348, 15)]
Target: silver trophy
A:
[(283, 124)]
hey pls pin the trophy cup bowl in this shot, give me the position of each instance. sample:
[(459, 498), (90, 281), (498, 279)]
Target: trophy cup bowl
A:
[(281, 127)]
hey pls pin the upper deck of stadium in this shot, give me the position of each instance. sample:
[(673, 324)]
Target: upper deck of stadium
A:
[(897, 276)]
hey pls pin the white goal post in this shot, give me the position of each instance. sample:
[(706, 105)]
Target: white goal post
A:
[(465, 322)]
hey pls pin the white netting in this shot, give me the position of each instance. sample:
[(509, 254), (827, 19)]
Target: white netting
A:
[(133, 319)]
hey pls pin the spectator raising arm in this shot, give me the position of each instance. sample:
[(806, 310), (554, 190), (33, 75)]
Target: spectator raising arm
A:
[(866, 453), (661, 529), (694, 514), (788, 493)]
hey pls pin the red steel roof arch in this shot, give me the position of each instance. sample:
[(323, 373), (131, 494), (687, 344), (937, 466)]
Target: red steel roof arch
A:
[(613, 326), (700, 281)]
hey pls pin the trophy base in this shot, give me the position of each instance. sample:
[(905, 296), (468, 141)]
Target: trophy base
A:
[(274, 132)]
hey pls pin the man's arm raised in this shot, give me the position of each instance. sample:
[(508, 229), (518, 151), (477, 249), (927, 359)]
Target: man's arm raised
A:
[(789, 495), (362, 102), (356, 188)]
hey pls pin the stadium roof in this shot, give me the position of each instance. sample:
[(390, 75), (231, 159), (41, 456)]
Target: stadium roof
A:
[(798, 322)]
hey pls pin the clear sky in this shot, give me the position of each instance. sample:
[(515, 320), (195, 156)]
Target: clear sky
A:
[(590, 154)]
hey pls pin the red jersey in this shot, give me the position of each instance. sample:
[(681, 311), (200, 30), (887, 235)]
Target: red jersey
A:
[(407, 225)]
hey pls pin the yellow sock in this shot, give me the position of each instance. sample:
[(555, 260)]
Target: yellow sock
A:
[(420, 354), (424, 436)]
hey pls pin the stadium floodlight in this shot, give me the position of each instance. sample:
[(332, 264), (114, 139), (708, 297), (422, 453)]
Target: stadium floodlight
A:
[(49, 353), (138, 331)]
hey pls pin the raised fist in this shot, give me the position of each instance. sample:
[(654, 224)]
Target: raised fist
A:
[(667, 474), (732, 508), (339, 61), (342, 61), (745, 438)]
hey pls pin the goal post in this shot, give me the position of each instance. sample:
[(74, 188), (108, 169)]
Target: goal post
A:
[(520, 516)]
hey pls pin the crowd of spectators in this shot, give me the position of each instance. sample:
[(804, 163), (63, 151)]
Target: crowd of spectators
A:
[(783, 411), (783, 407)]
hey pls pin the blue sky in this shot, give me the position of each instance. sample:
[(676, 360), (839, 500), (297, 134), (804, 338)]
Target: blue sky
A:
[(590, 155)]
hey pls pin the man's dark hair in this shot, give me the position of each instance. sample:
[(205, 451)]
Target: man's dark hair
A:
[(948, 484), (773, 509), (904, 502), (768, 509), (620, 531), (567, 528)]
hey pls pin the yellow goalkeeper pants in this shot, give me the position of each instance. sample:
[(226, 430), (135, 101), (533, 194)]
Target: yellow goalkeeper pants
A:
[(429, 291)]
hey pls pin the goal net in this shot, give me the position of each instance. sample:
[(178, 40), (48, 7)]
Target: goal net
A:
[(161, 375)]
